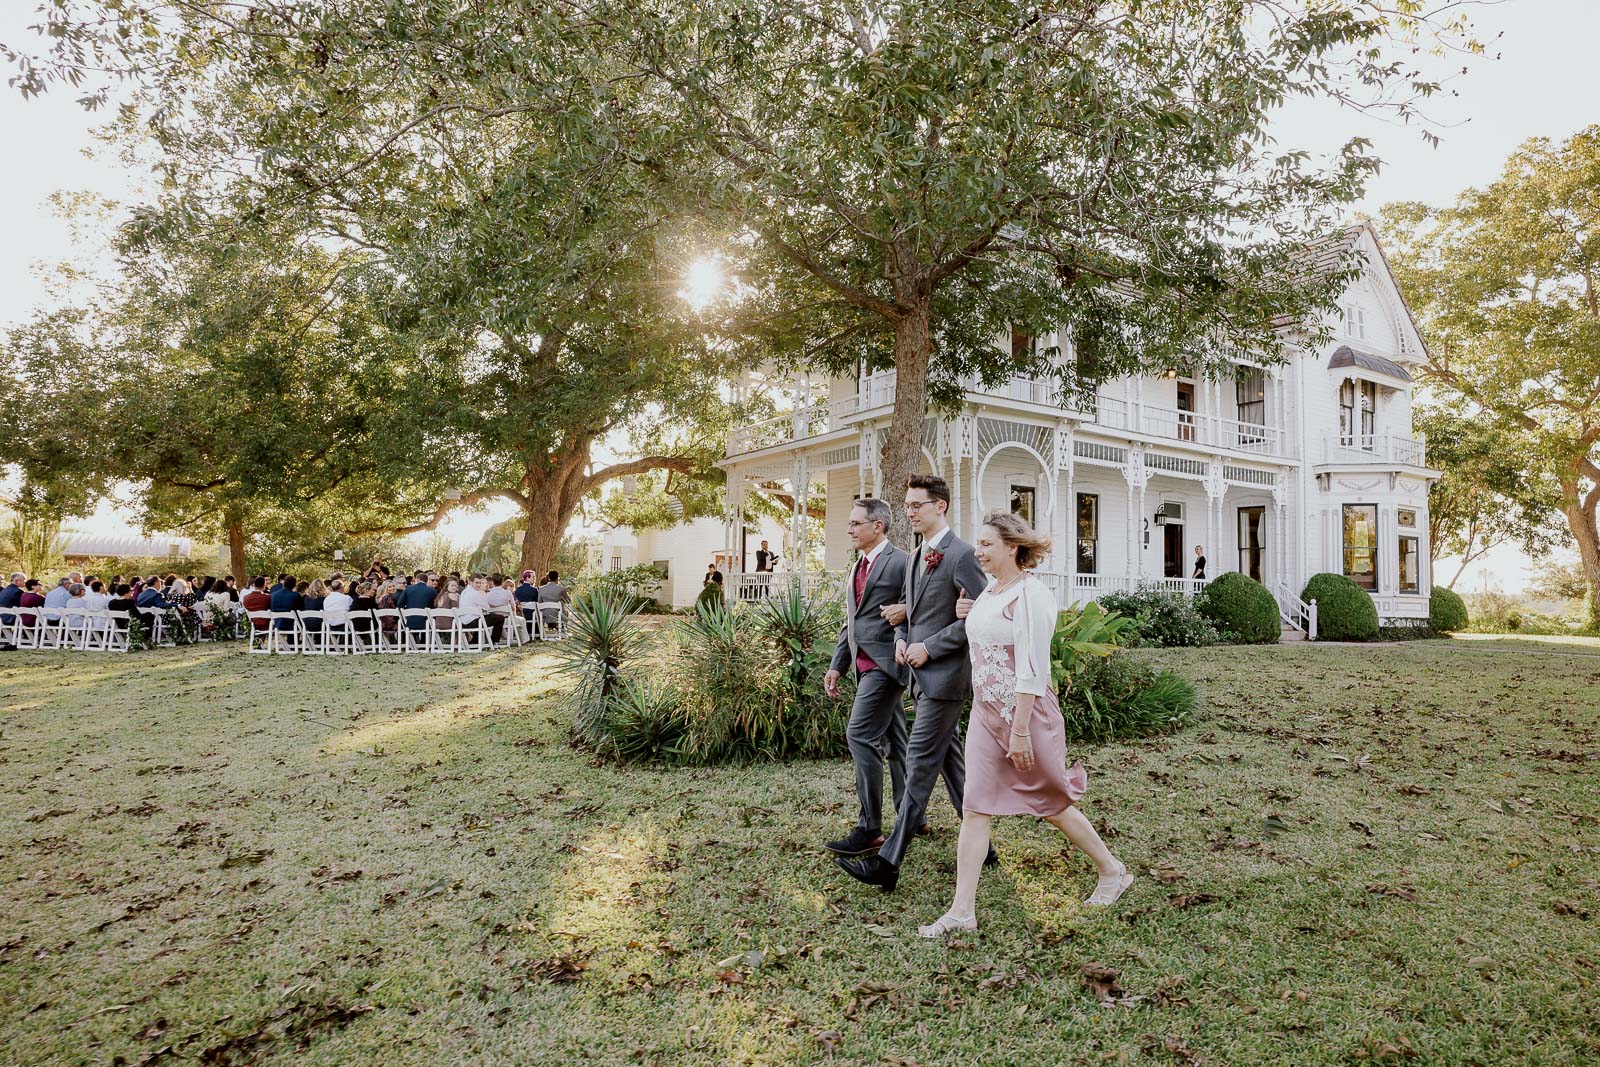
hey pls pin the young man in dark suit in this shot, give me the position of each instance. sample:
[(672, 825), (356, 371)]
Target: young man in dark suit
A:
[(866, 646)]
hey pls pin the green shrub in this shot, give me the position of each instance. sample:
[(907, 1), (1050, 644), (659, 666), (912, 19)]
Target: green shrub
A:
[(1117, 696), (1407, 633), (711, 594), (1495, 612), (1447, 612), (1163, 618), (1242, 609), (638, 584), (643, 719), (603, 638), (1344, 610)]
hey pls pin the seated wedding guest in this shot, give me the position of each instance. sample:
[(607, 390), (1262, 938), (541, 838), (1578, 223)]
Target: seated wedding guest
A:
[(474, 603), (337, 604), (97, 598), (206, 584), (182, 596), (232, 585), (58, 597), (217, 599), (312, 594), (553, 592), (527, 595), (449, 597), (389, 598), (72, 610), (285, 598), (419, 594), (257, 599), (502, 602), (10, 597), (31, 598), (151, 603), (360, 609), (123, 601)]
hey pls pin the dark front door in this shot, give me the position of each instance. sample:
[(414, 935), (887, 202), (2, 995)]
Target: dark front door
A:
[(1172, 550)]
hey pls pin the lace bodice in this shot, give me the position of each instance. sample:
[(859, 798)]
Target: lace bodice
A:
[(1009, 638)]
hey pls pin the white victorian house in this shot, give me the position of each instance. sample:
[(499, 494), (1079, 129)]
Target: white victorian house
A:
[(1306, 466)]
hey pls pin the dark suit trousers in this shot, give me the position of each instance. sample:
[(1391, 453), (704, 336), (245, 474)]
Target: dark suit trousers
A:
[(878, 715), (935, 748)]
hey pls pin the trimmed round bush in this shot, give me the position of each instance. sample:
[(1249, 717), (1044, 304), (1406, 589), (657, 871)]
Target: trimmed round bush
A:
[(1447, 612), (1241, 608), (1344, 610)]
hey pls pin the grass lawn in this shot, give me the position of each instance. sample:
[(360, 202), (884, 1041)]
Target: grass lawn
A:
[(1364, 855)]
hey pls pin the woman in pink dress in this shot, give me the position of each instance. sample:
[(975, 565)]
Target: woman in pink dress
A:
[(1016, 747)]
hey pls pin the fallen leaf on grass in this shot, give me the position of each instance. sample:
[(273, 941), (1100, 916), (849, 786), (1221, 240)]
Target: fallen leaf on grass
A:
[(868, 994), (1167, 875), (1189, 900), (1404, 892), (879, 929), (244, 859), (53, 813), (1413, 790), (1166, 993), (829, 1040), (567, 967), (1562, 907), (1103, 981)]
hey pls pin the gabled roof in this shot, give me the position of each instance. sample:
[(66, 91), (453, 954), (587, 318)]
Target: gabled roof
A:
[(1345, 356), (1331, 253)]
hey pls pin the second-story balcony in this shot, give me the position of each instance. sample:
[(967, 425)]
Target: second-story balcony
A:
[(1385, 448), (875, 395)]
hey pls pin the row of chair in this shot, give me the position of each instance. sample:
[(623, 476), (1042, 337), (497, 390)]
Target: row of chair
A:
[(81, 629), (397, 630)]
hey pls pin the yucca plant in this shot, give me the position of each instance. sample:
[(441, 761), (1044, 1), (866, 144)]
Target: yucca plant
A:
[(644, 721), (602, 638), (1119, 697), (795, 625)]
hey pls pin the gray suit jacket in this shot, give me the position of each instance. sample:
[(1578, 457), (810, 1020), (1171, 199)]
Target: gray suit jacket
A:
[(864, 629), (930, 599)]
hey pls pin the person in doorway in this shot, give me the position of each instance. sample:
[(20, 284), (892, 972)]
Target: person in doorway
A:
[(1199, 561)]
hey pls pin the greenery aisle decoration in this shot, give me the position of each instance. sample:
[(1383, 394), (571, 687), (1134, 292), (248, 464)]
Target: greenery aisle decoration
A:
[(603, 638), (1106, 694)]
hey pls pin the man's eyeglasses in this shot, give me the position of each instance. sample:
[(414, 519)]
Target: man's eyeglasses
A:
[(917, 505), (853, 523)]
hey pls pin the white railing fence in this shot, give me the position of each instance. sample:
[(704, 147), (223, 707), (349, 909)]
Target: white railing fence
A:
[(1296, 612), (754, 587), (1375, 448)]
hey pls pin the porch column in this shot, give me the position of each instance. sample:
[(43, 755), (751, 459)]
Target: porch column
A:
[(1068, 525)]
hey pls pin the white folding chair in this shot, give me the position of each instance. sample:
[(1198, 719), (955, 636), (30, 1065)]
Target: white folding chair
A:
[(95, 623), (283, 633), (472, 632), (552, 622), (444, 630), (116, 631), (155, 621), (52, 627), (515, 629), (417, 638), (388, 640), (311, 638), (338, 639), (257, 637), (25, 631)]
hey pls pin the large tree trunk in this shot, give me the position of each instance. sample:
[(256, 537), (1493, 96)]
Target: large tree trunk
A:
[(913, 351), (236, 553), (554, 490), (1579, 510)]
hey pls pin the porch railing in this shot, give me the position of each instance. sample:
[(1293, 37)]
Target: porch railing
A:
[(1296, 612), (812, 420), (754, 587), (1375, 448)]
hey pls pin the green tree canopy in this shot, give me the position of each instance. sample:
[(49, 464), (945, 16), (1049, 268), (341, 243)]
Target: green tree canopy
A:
[(1505, 284)]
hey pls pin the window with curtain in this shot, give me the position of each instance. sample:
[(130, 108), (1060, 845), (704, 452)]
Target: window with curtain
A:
[(1361, 544), (1251, 395), (1410, 572), (1088, 533)]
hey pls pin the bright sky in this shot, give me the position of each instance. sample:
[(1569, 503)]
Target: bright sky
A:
[(1538, 52)]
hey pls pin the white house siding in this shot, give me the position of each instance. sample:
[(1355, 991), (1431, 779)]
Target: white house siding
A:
[(1135, 451)]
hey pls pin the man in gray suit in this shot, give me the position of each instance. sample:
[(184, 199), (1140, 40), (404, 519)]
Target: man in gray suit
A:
[(933, 643), (866, 644)]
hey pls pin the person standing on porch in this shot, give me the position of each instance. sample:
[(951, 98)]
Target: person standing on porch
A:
[(1199, 561), (764, 559), (932, 641), (866, 646)]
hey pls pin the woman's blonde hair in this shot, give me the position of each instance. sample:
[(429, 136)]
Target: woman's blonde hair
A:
[(1031, 546)]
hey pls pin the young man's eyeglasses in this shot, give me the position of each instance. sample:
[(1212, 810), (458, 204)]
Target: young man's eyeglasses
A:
[(917, 505)]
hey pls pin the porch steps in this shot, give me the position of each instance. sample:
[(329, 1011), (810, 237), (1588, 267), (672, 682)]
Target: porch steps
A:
[(1291, 634)]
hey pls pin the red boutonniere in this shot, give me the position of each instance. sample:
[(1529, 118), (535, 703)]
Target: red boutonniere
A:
[(931, 560)]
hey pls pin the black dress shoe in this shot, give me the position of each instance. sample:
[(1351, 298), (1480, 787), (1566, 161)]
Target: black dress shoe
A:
[(923, 831), (992, 859), (872, 871), (858, 843)]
